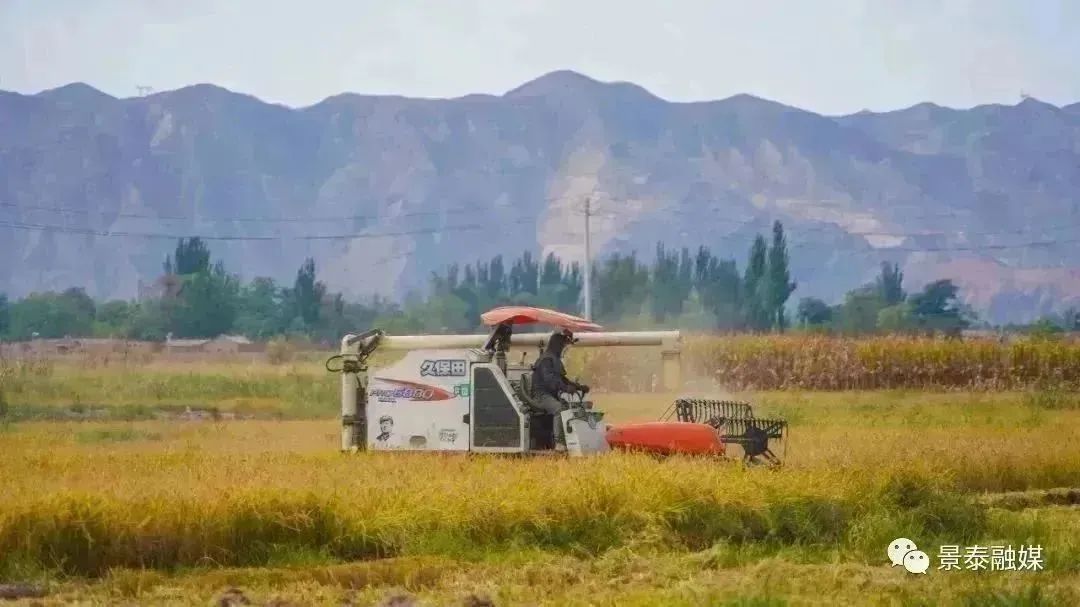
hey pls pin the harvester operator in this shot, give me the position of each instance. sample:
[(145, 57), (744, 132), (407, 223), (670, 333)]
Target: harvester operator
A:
[(550, 382)]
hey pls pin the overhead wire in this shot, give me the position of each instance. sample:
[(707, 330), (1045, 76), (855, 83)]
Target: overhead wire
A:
[(267, 219), (477, 208), (909, 249), (44, 227), (837, 226), (350, 236)]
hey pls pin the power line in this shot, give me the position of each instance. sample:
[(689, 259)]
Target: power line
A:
[(524, 220), (831, 224), (255, 219), (715, 207), (593, 213), (353, 236), (957, 249), (973, 249)]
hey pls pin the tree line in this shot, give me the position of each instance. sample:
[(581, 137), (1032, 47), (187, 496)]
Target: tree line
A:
[(198, 298), (885, 307), (688, 289), (680, 287)]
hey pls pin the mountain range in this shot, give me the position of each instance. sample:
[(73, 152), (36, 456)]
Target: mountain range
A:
[(381, 190)]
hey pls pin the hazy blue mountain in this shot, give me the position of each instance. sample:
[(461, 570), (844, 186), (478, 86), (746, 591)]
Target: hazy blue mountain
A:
[(423, 182)]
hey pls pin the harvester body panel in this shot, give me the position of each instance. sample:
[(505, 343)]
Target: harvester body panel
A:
[(585, 431), (421, 402)]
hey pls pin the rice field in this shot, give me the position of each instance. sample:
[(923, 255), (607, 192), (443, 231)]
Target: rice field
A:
[(111, 496)]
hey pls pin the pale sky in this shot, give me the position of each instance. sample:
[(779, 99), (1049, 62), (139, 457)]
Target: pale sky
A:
[(829, 56)]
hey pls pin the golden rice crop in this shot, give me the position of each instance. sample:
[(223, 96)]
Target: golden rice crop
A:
[(83, 498), (184, 510), (140, 502)]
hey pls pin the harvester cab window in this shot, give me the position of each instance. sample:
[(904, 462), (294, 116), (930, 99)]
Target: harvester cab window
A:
[(496, 423)]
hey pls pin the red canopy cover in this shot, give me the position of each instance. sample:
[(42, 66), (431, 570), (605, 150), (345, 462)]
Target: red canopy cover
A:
[(524, 315)]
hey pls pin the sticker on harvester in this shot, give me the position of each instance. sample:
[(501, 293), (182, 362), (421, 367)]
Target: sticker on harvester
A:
[(400, 389), (443, 368), (386, 439)]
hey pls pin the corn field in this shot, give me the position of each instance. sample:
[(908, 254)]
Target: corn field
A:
[(801, 362)]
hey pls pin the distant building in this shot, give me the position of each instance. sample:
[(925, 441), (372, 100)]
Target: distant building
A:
[(231, 343), (219, 344), (185, 345)]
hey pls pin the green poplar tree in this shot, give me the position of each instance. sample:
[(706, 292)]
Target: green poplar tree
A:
[(779, 285), (755, 293)]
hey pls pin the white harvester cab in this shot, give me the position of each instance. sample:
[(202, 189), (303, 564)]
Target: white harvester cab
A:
[(460, 393)]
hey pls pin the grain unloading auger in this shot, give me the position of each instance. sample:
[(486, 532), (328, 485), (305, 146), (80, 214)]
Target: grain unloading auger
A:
[(460, 393)]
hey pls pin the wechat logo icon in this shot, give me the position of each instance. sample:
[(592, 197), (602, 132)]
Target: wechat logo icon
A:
[(904, 553)]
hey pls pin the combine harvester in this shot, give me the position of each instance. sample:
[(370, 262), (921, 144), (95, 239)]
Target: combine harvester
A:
[(459, 393)]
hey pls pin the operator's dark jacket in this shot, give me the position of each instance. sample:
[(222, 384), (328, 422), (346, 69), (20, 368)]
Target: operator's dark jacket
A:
[(549, 376)]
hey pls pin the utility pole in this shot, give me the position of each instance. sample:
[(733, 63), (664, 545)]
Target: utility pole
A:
[(588, 265)]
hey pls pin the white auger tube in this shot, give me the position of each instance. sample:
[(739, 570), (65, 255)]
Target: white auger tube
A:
[(670, 343), (348, 399), (667, 339)]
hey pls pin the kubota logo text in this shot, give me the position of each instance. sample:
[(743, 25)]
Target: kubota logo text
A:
[(407, 390)]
